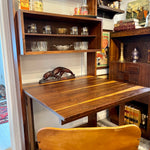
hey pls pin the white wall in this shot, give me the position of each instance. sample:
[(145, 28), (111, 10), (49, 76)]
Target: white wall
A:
[(33, 67)]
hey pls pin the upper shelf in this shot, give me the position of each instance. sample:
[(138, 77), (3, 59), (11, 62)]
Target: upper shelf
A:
[(41, 19), (108, 12), (128, 33)]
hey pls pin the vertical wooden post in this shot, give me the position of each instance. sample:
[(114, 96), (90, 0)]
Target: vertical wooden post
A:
[(121, 114), (92, 120), (148, 119), (30, 123)]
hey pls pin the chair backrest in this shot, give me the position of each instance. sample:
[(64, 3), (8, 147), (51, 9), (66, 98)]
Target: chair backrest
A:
[(94, 138)]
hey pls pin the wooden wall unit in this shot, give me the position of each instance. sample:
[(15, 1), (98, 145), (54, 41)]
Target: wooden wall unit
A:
[(94, 25), (136, 73)]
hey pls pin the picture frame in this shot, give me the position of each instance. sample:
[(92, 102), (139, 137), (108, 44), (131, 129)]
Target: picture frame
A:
[(138, 9), (102, 55)]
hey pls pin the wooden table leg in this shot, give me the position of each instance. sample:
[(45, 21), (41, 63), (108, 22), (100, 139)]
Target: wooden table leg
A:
[(121, 114), (30, 123), (92, 120)]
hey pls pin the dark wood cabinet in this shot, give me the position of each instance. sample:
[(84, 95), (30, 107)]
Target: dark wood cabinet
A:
[(127, 71)]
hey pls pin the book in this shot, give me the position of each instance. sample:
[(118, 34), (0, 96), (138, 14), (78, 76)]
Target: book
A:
[(124, 26), (130, 115), (126, 114), (137, 117), (128, 24)]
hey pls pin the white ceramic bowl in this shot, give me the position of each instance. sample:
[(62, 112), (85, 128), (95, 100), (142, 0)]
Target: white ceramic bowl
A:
[(62, 47)]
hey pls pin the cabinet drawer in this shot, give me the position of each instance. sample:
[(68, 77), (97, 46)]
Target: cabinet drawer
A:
[(132, 69)]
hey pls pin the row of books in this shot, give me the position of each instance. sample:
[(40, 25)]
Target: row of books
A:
[(135, 116), (128, 24)]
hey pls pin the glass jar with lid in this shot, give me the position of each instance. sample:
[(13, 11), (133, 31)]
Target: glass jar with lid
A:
[(84, 8)]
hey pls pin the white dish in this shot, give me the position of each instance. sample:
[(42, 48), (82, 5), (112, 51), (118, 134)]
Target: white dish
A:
[(62, 47)]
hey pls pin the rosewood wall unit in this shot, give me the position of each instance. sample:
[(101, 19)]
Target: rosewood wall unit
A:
[(41, 19), (136, 73)]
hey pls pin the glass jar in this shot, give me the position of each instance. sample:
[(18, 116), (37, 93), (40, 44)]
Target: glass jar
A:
[(84, 8), (84, 31), (32, 28), (37, 5), (47, 29), (74, 30)]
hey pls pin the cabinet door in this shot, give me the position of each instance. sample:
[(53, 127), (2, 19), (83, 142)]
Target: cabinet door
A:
[(131, 74)]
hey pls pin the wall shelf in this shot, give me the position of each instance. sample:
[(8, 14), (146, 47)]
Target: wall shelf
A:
[(128, 33), (41, 19), (108, 12), (60, 51), (60, 35)]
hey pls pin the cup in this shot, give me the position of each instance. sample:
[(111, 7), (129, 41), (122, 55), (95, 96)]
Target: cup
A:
[(84, 45), (77, 45), (34, 46), (42, 45)]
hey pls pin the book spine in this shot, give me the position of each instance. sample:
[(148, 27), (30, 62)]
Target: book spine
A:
[(124, 26), (127, 114)]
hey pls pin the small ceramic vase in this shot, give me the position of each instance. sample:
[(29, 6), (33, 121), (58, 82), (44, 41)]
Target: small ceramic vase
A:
[(135, 55)]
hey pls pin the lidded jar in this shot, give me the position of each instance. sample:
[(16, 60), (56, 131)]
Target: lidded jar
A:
[(135, 55), (84, 8)]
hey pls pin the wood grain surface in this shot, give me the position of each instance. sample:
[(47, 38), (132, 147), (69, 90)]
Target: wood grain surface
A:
[(75, 98), (99, 138)]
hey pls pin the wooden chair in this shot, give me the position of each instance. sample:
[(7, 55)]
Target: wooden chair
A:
[(94, 138)]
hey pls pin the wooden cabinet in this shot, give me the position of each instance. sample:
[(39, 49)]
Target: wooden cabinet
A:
[(41, 19), (136, 73), (25, 18)]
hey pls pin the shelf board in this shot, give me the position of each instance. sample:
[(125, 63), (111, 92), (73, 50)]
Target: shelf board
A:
[(109, 9), (103, 67), (134, 32), (46, 16), (60, 52), (59, 35), (130, 62)]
